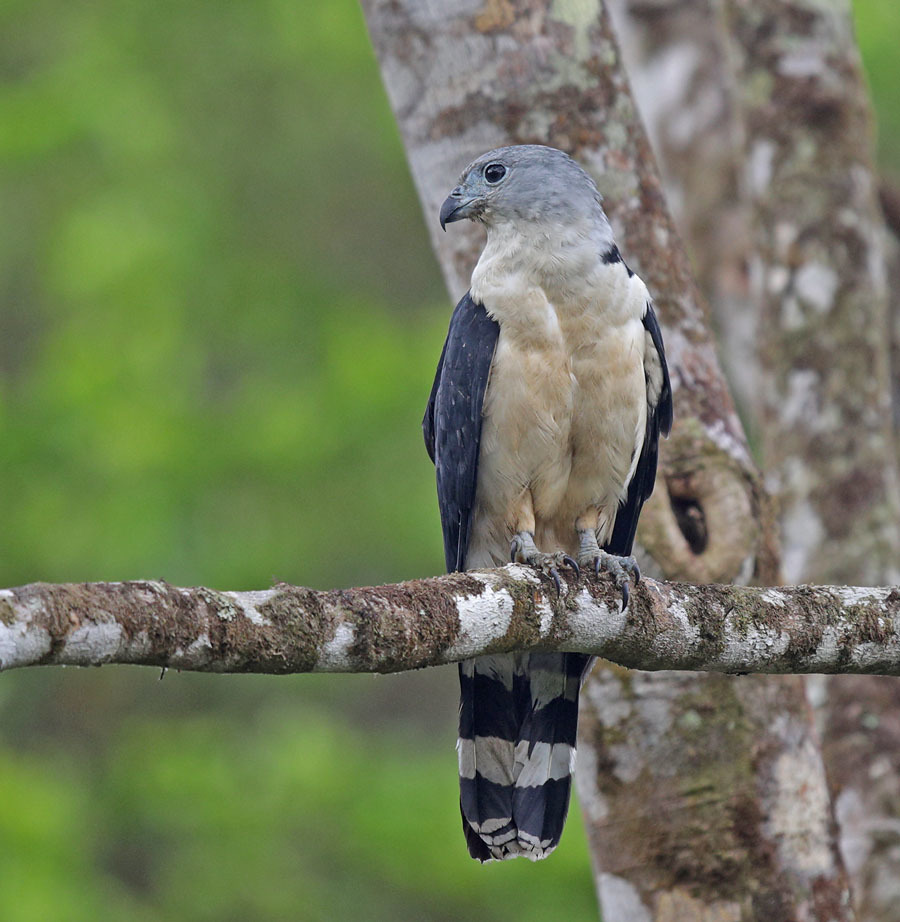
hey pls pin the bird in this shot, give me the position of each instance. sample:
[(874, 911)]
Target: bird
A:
[(543, 424)]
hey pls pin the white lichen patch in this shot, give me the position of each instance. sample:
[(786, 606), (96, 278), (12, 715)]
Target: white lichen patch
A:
[(856, 840), (140, 644), (872, 657), (581, 15), (247, 603), (22, 644), (801, 399), (94, 642), (828, 647), (777, 279), (816, 285), (785, 238), (759, 166), (753, 646), (802, 534), (671, 644), (806, 60), (619, 899), (606, 695), (861, 595), (724, 438), (484, 617), (798, 814), (199, 649), (335, 654), (593, 623), (592, 802), (773, 597), (662, 85)]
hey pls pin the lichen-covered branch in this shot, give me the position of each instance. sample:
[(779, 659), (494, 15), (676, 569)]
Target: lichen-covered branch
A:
[(428, 622)]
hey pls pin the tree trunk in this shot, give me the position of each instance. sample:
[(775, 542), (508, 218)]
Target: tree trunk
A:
[(717, 797), (546, 73), (820, 281), (822, 290), (683, 82), (818, 271)]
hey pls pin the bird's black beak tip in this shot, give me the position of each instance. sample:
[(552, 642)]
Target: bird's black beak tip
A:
[(455, 208)]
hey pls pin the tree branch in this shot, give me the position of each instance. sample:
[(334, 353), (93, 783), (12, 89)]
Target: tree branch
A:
[(429, 622)]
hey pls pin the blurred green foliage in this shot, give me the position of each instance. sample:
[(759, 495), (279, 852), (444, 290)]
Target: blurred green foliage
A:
[(219, 318), (878, 30)]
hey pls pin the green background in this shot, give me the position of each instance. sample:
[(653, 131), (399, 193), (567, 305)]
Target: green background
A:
[(219, 320)]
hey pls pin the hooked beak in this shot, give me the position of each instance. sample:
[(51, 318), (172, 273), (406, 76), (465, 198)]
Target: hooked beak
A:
[(456, 207)]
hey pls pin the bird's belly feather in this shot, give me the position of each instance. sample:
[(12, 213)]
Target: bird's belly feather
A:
[(563, 418)]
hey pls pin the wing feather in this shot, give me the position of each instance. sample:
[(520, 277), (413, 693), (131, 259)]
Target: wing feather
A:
[(452, 423), (659, 422)]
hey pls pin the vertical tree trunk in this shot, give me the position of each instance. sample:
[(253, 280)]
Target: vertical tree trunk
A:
[(491, 74), (683, 82), (829, 436), (820, 240), (820, 283), (708, 801), (819, 291)]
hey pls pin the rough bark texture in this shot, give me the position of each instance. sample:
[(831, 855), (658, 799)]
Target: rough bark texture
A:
[(787, 85), (861, 739), (493, 73), (820, 241), (740, 760), (820, 281), (683, 82), (444, 619), (684, 87)]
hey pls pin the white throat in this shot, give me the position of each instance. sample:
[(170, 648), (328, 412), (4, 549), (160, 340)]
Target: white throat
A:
[(551, 256)]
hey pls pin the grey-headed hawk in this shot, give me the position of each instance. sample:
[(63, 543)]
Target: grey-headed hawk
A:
[(543, 423)]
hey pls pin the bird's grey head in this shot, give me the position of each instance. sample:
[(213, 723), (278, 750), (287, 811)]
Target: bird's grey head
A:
[(526, 182)]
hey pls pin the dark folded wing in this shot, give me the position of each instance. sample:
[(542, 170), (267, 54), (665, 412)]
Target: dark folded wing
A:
[(452, 423), (659, 422)]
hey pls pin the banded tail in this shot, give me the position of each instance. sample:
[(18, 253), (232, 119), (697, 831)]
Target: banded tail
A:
[(518, 716)]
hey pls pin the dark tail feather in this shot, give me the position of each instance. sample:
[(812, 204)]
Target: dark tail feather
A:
[(487, 732), (518, 719)]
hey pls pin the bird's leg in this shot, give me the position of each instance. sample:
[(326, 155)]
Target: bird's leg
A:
[(590, 554), (524, 550)]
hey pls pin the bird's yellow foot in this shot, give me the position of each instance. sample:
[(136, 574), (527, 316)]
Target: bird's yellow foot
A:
[(523, 550), (623, 569)]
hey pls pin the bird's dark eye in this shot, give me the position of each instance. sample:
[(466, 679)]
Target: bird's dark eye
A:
[(494, 172)]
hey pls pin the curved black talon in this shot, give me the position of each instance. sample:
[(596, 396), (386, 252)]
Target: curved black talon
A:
[(637, 573), (555, 576), (573, 565), (626, 592), (597, 566)]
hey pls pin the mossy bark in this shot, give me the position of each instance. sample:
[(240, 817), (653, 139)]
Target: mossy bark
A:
[(708, 801), (829, 440), (444, 619), (787, 92)]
